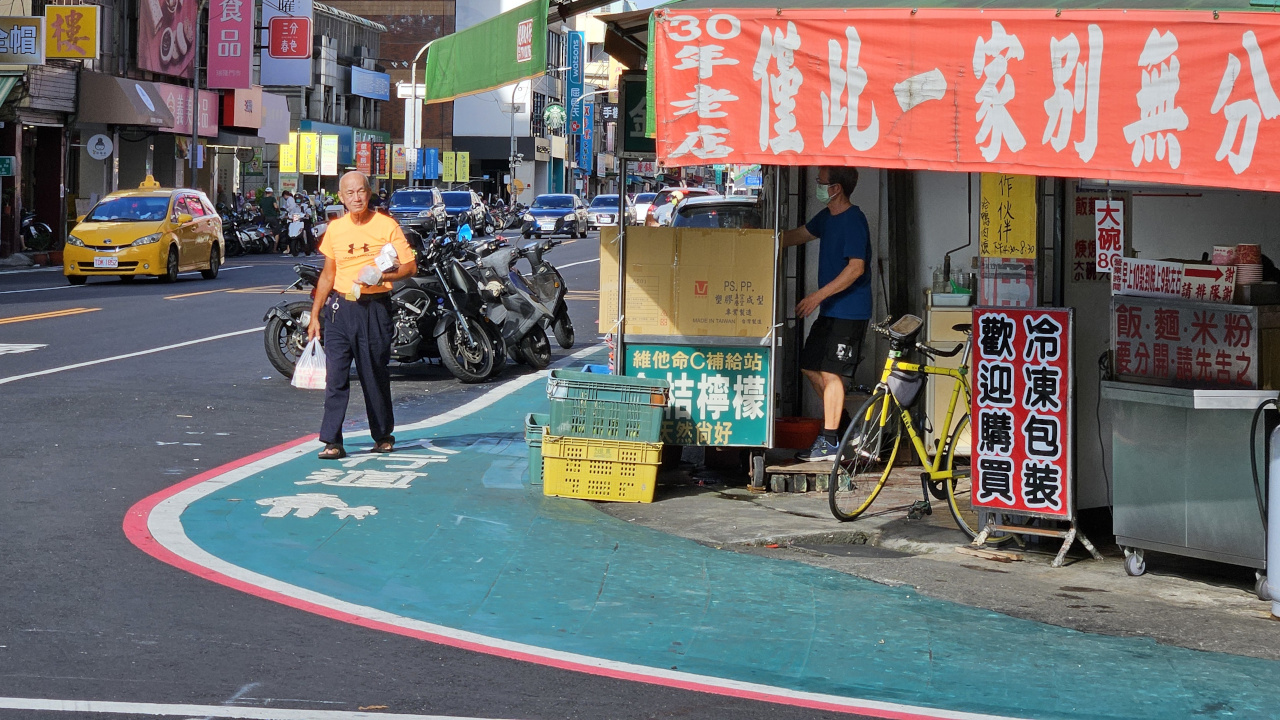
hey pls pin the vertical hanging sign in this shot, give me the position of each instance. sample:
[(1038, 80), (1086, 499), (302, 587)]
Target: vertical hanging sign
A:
[(448, 167), (1108, 220), (462, 167), (1022, 411), (577, 75), (329, 155), (289, 155), (286, 42), (428, 167), (230, 44), (364, 157)]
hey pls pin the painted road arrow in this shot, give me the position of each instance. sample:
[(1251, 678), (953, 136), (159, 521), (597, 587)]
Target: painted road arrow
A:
[(446, 541)]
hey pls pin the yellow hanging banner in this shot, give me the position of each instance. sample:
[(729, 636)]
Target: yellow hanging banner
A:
[(463, 171), (1007, 216), (289, 155), (308, 153), (72, 31), (448, 166)]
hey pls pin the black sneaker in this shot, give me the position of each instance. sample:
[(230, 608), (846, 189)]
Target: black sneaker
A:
[(822, 450)]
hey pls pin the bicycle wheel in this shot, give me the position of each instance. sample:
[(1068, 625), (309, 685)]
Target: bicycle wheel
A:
[(960, 491), (867, 452)]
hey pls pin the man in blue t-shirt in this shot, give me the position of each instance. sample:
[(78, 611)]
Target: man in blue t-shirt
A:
[(834, 346)]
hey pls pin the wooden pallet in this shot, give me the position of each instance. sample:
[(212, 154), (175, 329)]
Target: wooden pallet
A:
[(791, 477)]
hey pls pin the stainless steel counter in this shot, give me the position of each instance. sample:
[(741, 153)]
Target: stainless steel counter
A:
[(1181, 480)]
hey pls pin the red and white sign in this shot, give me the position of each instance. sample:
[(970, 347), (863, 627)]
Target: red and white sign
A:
[(1189, 97), (230, 44), (524, 41), (1108, 233), (290, 38), (1021, 411), (364, 157), (1185, 343), (1136, 277)]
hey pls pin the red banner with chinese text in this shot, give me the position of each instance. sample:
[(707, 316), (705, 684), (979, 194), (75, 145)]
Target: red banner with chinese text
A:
[(1154, 96), (1021, 413)]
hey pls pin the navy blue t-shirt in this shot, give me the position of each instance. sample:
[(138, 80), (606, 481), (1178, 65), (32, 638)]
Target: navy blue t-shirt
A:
[(843, 237)]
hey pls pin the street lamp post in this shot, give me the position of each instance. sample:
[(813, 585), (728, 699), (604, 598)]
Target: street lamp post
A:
[(417, 105)]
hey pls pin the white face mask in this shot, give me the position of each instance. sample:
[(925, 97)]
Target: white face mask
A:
[(824, 196)]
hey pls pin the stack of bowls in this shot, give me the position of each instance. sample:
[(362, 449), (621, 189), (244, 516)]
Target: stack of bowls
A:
[(1248, 264)]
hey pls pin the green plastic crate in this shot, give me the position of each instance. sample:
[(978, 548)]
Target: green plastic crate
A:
[(534, 425), (608, 407)]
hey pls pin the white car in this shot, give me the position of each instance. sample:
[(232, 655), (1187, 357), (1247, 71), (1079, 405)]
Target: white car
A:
[(640, 206)]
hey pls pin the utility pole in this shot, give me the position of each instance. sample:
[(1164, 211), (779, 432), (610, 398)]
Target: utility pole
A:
[(194, 151)]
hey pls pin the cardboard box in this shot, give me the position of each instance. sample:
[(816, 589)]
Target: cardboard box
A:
[(690, 281)]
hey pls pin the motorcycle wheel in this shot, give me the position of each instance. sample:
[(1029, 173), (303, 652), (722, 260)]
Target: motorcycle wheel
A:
[(284, 345), (562, 326), (37, 236), (500, 351), (468, 364), (534, 348)]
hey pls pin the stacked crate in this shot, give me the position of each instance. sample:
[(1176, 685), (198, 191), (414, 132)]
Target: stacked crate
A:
[(603, 439)]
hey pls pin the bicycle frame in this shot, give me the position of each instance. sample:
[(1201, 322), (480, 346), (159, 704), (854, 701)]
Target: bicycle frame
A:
[(960, 375)]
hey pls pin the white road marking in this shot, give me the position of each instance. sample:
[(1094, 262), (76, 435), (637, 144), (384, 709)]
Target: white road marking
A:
[(13, 348), (164, 525), (580, 262), (212, 711), (69, 287), (15, 378)]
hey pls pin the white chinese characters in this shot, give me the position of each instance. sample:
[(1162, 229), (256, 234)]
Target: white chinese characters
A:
[(1066, 102), (835, 114), (778, 89), (1250, 111), (708, 141), (1153, 135), (991, 62)]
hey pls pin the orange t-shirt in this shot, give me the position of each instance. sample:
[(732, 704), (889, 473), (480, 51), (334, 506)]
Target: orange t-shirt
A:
[(353, 246)]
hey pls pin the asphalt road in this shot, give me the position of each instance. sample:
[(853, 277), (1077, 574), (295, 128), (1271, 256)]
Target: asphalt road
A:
[(84, 615)]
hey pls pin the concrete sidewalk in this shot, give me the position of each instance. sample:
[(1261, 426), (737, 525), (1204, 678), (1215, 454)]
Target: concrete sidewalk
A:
[(1179, 601)]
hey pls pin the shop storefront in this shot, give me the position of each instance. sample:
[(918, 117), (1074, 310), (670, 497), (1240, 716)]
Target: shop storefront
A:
[(128, 113), (1103, 163)]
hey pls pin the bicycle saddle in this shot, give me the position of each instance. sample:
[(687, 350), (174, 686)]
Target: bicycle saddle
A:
[(965, 328)]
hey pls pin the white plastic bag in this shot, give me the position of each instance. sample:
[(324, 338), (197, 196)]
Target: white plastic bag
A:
[(309, 373)]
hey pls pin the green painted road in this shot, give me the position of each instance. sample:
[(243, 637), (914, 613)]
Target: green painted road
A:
[(446, 538)]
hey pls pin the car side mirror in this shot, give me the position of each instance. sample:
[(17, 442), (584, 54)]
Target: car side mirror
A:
[(184, 218), (80, 219)]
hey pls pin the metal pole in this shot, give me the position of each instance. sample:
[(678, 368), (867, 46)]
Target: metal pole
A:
[(619, 351), (195, 104)]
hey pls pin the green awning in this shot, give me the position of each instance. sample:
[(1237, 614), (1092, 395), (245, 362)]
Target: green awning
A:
[(502, 50), (7, 84)]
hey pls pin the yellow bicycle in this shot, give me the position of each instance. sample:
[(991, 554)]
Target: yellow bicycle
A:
[(869, 447)]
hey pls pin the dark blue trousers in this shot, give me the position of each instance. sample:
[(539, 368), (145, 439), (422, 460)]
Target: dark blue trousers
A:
[(360, 330)]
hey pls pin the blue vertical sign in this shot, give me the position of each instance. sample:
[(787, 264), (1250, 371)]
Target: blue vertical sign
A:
[(588, 161), (428, 167), (577, 76)]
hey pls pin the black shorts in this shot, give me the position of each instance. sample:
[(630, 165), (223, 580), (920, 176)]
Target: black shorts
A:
[(834, 345)]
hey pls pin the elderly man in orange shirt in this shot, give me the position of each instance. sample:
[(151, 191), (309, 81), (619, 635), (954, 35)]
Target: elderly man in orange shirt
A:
[(356, 299)]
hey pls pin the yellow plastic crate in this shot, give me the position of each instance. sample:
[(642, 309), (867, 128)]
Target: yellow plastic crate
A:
[(598, 469)]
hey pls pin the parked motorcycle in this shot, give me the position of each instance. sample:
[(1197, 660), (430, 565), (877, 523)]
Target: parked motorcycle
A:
[(35, 234), (551, 290), (514, 306), (286, 332), (298, 234)]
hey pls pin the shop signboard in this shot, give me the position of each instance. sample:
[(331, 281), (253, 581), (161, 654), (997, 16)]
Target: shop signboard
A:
[(577, 52), (167, 36), (1007, 216), (722, 286), (370, 84), (286, 42), (288, 183), (462, 167), (719, 395), (448, 167), (399, 163), (72, 31), (6, 165), (381, 168), (308, 153), (329, 155), (1026, 91), (1138, 277), (178, 99), (515, 48), (364, 157), (1179, 342), (289, 155), (242, 108), (1108, 223), (1082, 232), (230, 44), (609, 113), (1022, 414), (633, 98)]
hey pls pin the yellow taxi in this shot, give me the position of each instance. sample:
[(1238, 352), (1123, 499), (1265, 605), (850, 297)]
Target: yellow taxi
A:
[(148, 231)]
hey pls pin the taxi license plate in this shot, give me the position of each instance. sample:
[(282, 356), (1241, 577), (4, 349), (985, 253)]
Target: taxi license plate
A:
[(106, 262)]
